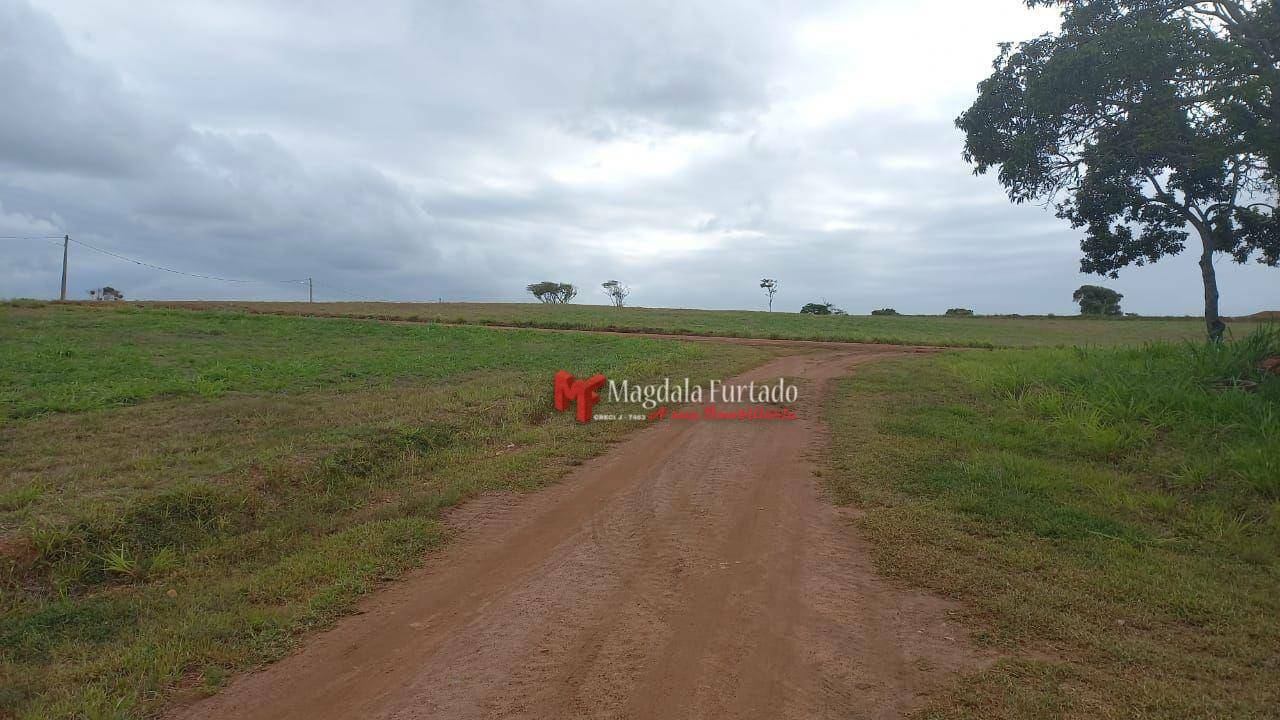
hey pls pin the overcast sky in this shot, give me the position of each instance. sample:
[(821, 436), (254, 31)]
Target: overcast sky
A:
[(461, 150)]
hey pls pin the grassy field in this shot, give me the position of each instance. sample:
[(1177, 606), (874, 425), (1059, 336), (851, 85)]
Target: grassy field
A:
[(185, 493), (1110, 518), (182, 494), (898, 330)]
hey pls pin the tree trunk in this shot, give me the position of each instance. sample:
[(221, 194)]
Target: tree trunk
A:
[(1212, 322)]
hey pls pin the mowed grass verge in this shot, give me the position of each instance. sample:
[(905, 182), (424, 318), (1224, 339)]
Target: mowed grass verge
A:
[(1110, 519), (896, 330), (184, 494)]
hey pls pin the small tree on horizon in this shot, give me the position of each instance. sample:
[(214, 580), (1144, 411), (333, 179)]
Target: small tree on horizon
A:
[(616, 291), (549, 292), (107, 293), (771, 288), (821, 308), (1097, 300)]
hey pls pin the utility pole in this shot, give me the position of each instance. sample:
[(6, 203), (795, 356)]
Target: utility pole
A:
[(311, 292), (66, 241)]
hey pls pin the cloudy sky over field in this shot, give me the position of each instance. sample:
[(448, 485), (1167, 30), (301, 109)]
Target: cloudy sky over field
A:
[(463, 150)]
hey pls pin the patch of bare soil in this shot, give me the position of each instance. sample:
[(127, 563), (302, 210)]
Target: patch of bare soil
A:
[(693, 571)]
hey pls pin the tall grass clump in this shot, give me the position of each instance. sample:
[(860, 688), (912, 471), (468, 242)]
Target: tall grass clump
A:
[(1201, 420)]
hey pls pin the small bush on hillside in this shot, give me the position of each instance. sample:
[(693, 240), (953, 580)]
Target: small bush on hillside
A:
[(822, 308), (960, 312), (884, 311)]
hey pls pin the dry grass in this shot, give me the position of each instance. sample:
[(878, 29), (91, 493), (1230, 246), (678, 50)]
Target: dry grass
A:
[(164, 538)]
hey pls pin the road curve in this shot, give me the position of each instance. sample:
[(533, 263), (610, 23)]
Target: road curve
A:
[(694, 571)]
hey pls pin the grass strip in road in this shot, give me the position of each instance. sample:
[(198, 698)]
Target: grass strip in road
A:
[(1109, 517)]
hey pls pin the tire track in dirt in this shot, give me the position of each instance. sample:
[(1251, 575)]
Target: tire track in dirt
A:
[(692, 571)]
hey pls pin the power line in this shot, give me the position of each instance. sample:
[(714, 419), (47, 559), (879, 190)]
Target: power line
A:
[(63, 240), (179, 272)]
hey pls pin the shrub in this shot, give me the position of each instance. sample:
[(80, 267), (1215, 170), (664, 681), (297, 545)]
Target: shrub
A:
[(960, 312), (884, 311), (821, 308)]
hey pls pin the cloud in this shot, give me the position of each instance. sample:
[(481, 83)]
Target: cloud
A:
[(415, 150), (65, 113), (226, 203)]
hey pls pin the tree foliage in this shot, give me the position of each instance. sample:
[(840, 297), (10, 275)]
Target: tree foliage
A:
[(616, 292), (107, 293), (770, 287), (1097, 300), (1140, 119), (553, 292), (960, 312), (821, 308)]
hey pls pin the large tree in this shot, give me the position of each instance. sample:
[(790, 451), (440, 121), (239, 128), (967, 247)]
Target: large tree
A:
[(1143, 121)]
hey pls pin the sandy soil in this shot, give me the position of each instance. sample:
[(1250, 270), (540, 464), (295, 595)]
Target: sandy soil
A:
[(693, 571)]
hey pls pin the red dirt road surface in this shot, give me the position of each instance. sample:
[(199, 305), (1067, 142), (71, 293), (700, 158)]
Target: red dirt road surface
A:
[(694, 571)]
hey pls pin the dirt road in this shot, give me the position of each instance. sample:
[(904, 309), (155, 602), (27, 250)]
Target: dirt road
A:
[(693, 571)]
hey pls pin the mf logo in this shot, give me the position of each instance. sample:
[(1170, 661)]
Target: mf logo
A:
[(583, 392)]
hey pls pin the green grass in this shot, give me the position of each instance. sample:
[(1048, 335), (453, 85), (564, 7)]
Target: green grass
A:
[(71, 359), (898, 330), (1110, 518), (185, 494)]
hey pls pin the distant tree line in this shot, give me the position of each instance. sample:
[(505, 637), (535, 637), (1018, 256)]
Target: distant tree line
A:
[(1093, 299)]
